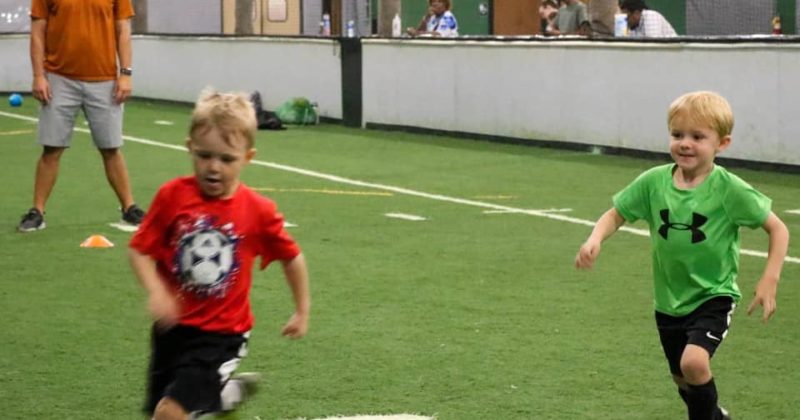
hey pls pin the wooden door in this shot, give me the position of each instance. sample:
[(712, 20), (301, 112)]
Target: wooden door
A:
[(516, 17)]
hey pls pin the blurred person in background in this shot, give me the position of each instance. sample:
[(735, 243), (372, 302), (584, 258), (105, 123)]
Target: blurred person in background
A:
[(548, 12), (438, 22), (645, 23), (572, 19), (601, 17)]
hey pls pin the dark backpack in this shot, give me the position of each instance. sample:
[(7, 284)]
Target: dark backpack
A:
[(266, 120)]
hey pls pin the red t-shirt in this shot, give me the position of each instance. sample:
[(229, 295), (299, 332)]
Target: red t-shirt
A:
[(205, 249)]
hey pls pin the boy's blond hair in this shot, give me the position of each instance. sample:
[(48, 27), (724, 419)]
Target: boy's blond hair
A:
[(704, 108), (230, 113)]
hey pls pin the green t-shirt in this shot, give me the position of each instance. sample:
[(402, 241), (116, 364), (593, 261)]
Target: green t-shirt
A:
[(694, 233)]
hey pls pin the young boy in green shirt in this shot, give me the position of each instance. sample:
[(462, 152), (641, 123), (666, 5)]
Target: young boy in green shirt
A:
[(694, 209)]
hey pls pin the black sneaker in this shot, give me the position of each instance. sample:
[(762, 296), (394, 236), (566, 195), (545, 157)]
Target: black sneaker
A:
[(31, 221), (133, 215)]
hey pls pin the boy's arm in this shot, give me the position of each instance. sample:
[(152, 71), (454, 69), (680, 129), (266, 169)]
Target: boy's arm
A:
[(767, 287), (606, 225), (296, 274), (161, 304)]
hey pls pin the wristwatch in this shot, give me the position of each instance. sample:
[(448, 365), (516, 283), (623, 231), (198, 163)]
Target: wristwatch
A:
[(127, 71)]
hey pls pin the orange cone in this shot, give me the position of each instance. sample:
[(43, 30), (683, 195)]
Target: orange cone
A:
[(96, 241)]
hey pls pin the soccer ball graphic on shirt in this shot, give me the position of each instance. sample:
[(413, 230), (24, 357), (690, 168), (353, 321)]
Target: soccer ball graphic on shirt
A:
[(205, 258)]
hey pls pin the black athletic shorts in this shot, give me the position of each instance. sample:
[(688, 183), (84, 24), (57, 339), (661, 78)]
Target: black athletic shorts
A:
[(706, 327), (191, 366)]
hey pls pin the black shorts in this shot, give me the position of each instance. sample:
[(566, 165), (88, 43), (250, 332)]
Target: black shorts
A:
[(706, 327), (191, 366)]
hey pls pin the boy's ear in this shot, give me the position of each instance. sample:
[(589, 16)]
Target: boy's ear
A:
[(724, 142), (250, 154)]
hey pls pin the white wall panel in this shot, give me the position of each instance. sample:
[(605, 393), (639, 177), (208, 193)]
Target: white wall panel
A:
[(609, 94), (178, 68)]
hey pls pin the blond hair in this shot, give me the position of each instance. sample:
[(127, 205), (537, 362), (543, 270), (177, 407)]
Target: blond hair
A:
[(705, 108), (230, 113)]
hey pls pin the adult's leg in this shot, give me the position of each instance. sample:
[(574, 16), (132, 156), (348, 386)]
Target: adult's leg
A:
[(56, 121), (117, 176), (46, 175), (105, 121)]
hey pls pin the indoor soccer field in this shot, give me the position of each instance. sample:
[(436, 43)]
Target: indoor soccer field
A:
[(442, 283)]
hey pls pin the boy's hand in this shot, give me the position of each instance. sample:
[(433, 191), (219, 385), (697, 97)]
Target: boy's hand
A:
[(296, 327), (164, 308), (587, 254), (765, 296)]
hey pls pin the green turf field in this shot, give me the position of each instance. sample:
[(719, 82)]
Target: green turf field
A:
[(475, 312)]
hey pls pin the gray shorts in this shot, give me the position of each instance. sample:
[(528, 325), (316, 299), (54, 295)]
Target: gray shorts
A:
[(57, 119)]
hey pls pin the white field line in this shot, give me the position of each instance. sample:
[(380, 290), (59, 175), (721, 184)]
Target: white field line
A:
[(405, 216), (406, 191), (124, 227), (542, 210), (795, 211)]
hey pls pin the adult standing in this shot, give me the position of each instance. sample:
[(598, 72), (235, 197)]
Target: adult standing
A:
[(75, 48)]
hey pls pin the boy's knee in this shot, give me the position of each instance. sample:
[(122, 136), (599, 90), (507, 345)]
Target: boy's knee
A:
[(169, 409), (695, 366)]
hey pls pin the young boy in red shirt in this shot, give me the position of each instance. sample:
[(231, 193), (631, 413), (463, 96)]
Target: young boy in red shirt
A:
[(194, 254)]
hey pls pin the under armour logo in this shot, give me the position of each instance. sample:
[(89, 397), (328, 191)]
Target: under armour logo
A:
[(697, 221)]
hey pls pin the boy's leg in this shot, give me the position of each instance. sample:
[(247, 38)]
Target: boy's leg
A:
[(169, 409), (199, 371), (702, 392), (673, 341), (706, 328)]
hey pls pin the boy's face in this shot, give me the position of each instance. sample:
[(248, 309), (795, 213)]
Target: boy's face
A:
[(217, 164), (693, 146)]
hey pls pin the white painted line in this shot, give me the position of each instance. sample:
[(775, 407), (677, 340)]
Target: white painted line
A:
[(124, 227), (288, 224), (163, 122), (542, 210), (404, 216), (15, 132), (380, 417), (795, 211), (406, 191)]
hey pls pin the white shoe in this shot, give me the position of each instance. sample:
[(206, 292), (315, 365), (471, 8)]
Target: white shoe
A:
[(249, 380)]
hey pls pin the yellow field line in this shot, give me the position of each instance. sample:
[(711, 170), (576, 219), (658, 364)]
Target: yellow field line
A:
[(325, 191)]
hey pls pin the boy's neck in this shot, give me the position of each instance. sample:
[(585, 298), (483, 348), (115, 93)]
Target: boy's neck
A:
[(687, 180)]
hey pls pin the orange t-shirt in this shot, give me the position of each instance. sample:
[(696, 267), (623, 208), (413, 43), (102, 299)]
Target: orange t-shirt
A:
[(81, 38)]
